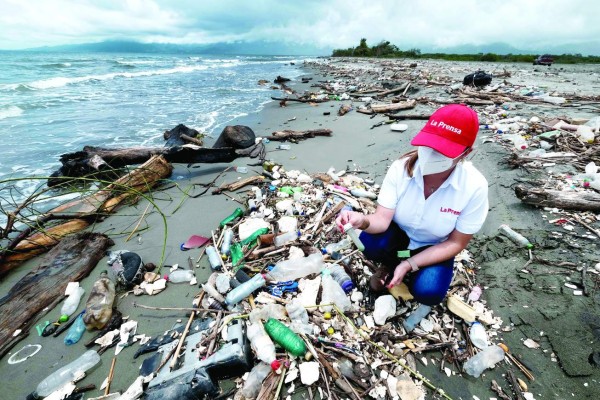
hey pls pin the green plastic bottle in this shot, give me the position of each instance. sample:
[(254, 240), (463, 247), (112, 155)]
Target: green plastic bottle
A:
[(252, 238), (237, 256), (285, 337), (237, 213)]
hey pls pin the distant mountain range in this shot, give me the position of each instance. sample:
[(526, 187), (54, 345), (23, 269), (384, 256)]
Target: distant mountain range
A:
[(284, 48)]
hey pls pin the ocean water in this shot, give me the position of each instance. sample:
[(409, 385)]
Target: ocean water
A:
[(55, 103)]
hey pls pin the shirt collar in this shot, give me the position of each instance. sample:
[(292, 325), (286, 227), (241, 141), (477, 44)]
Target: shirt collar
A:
[(452, 180)]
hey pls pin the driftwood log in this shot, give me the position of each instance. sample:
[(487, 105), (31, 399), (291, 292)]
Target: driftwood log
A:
[(294, 135), (300, 100), (580, 201), (181, 135), (385, 108), (81, 213), (72, 260), (231, 187)]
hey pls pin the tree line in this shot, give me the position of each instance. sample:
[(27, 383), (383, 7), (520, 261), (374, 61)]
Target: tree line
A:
[(385, 49)]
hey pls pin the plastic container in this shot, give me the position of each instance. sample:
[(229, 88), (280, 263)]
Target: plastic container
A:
[(338, 273), (299, 317), (285, 337), (483, 360), (349, 229), (385, 307), (336, 247), (415, 317), (241, 170), (284, 147), (514, 236), (181, 276), (475, 293), (585, 133), (255, 379), (72, 302), (75, 332), (237, 213), (213, 258), (519, 142), (214, 293), (262, 344), (227, 238), (478, 336), (332, 293), (296, 268), (245, 289), (98, 308), (67, 373), (284, 238)]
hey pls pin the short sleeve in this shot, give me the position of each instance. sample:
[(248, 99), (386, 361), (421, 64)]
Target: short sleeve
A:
[(473, 216), (388, 194)]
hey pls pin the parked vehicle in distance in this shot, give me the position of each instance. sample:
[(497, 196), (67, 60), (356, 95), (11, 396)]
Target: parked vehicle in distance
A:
[(545, 59)]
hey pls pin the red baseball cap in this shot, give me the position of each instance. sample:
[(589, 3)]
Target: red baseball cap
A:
[(450, 130)]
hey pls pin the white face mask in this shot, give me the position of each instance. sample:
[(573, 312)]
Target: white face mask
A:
[(433, 162)]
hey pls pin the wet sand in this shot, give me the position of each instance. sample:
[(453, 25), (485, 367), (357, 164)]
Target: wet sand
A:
[(532, 305)]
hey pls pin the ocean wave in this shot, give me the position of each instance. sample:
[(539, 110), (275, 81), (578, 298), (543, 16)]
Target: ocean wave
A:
[(10, 111), (57, 65)]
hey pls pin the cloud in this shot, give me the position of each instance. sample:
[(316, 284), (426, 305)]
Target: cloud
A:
[(526, 25)]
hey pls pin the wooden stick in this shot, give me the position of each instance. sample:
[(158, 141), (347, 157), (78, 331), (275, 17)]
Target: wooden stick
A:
[(596, 232), (181, 340), (515, 385), (180, 309), (216, 335), (346, 256), (139, 222), (110, 376)]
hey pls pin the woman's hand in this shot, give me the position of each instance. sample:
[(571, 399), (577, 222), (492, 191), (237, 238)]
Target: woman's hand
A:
[(401, 270), (357, 219)]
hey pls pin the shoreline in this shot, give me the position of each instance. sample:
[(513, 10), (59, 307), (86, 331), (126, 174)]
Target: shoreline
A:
[(353, 145)]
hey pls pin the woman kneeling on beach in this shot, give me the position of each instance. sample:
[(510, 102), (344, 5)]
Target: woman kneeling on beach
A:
[(436, 202)]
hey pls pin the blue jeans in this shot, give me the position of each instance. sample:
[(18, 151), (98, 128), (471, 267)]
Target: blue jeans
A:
[(429, 285)]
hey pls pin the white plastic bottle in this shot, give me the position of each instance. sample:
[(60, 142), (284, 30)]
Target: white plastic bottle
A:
[(213, 258), (262, 344), (296, 268), (72, 302), (67, 373), (385, 307), (349, 229), (341, 245), (245, 289), (585, 133), (483, 360), (514, 236), (478, 336), (255, 380), (226, 244), (519, 142), (284, 238), (338, 273), (415, 317), (181, 276), (299, 317), (332, 293)]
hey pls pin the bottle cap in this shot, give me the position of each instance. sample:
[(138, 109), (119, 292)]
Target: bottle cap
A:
[(348, 286), (275, 365), (348, 226)]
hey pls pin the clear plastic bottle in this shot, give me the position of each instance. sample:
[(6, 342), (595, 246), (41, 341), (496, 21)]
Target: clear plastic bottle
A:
[(284, 238), (214, 293), (514, 236), (415, 317), (299, 317), (349, 229), (332, 293), (585, 133), (226, 244), (478, 336), (285, 337), (213, 258), (67, 373), (483, 360), (72, 302), (98, 308), (338, 273), (262, 344), (181, 276), (245, 289), (75, 332), (296, 268), (385, 307), (255, 379), (341, 245)]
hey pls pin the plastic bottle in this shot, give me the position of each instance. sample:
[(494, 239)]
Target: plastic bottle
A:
[(284, 238), (338, 273), (295, 268), (483, 360), (585, 133), (415, 317), (341, 245), (385, 307), (245, 289), (284, 147), (262, 344), (98, 308), (299, 317), (67, 373), (514, 236), (227, 237), (255, 379), (213, 258), (72, 302), (75, 332), (349, 229), (181, 275), (237, 213), (241, 170), (333, 293), (285, 337), (478, 336)]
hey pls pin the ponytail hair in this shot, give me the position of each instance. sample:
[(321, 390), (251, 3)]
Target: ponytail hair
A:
[(411, 160)]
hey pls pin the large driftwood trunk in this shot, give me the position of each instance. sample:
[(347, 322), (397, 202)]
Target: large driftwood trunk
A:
[(384, 108), (82, 212), (580, 201), (72, 260)]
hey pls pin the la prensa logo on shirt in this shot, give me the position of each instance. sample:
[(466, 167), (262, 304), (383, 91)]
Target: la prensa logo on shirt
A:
[(443, 125), (449, 210)]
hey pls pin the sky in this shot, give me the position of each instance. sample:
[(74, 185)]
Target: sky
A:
[(428, 24)]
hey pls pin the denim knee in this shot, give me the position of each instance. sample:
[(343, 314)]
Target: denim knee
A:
[(430, 285)]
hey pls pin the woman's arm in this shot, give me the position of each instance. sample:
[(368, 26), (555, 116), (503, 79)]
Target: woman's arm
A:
[(372, 223), (456, 242)]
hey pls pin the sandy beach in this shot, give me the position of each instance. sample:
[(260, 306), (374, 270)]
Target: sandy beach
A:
[(532, 305)]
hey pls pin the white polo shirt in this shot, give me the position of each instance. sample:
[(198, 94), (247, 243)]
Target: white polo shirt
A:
[(461, 203)]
